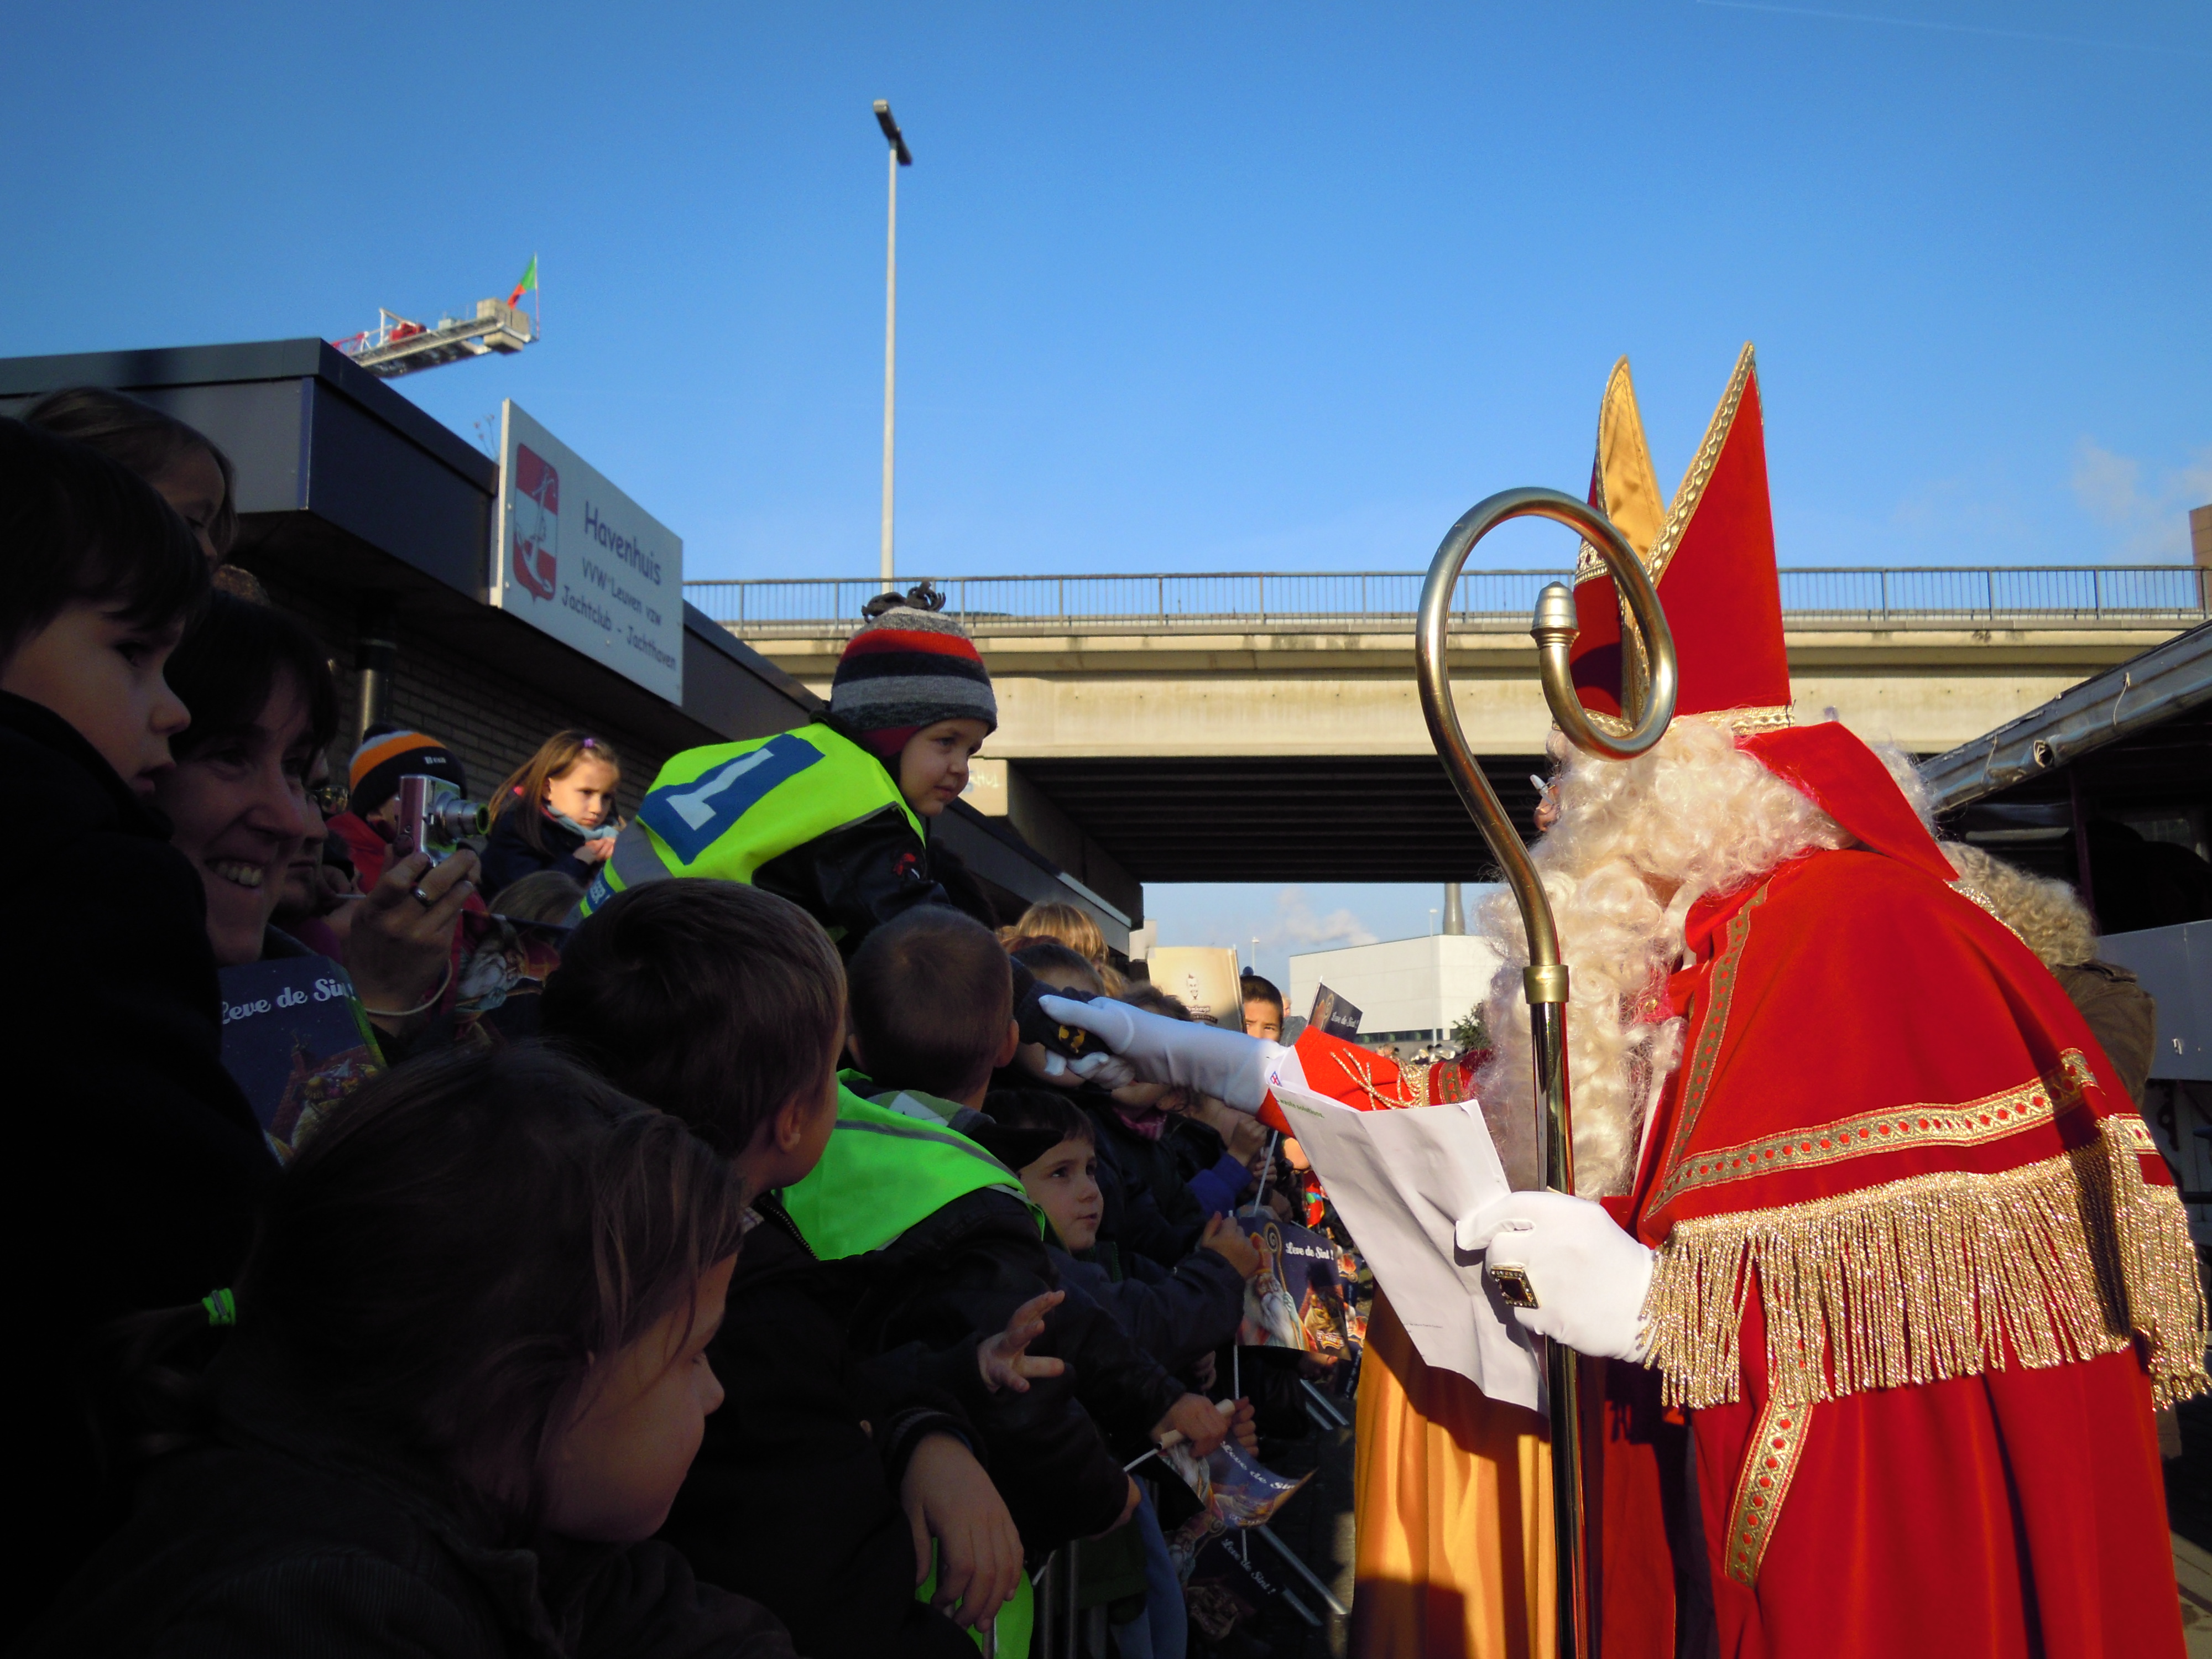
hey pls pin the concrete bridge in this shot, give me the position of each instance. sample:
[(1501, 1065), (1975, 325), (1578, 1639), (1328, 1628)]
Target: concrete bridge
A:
[(1265, 726)]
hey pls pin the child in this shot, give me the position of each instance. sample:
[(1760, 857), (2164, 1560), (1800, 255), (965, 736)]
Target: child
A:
[(135, 1163), (386, 754), (186, 468), (820, 1491), (833, 815), (555, 812), (1067, 925), (466, 1376), (1263, 1009), (1179, 1321), (1177, 1318), (932, 1018)]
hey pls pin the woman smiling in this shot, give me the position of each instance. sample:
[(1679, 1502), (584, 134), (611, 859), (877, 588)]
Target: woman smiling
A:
[(264, 706), (264, 703)]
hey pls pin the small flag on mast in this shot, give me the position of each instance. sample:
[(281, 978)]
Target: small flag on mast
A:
[(529, 281)]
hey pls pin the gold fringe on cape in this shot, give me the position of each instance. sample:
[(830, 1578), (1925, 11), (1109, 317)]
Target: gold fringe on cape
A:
[(1939, 1276)]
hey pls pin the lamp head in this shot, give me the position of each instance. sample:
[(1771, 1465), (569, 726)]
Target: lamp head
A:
[(891, 133)]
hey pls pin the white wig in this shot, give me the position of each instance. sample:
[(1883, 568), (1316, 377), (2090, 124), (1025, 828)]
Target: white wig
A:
[(1637, 843), (2048, 915)]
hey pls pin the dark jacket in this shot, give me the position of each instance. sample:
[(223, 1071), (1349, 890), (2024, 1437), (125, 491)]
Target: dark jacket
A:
[(792, 1501), (2120, 1014), (1150, 1210), (1175, 1317), (134, 1166), (857, 877), (279, 1533), (508, 855), (962, 1271)]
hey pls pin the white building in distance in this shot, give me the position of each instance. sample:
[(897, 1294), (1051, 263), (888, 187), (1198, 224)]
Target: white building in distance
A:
[(1408, 991)]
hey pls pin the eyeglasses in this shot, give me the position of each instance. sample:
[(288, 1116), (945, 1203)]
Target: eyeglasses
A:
[(329, 798)]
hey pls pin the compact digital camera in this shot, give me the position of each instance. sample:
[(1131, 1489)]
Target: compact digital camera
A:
[(434, 817)]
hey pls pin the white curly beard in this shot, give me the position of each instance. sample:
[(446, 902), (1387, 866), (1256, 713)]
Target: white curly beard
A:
[(1637, 843)]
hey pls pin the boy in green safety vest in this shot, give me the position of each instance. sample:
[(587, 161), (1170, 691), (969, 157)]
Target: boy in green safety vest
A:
[(829, 1486), (932, 1018), (833, 815)]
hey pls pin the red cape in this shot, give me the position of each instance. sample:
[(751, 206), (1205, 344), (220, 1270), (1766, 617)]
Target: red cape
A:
[(1921, 1269)]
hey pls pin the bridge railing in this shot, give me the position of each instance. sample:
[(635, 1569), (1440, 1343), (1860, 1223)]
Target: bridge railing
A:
[(2012, 596)]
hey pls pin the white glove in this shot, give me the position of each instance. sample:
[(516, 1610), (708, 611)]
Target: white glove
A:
[(1589, 1276), (1227, 1065), (1107, 1071)]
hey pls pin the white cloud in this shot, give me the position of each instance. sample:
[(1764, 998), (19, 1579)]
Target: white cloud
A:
[(1295, 923), (1314, 916), (2149, 519)]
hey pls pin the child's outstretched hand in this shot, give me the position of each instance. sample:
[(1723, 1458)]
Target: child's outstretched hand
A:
[(1004, 1359), (1195, 1420), (1231, 1244), (1243, 1430), (947, 1497)]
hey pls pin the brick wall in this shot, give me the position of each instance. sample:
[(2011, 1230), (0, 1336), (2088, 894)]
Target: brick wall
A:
[(493, 723)]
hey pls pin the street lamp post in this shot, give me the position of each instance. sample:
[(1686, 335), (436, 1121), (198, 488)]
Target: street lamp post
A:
[(901, 156)]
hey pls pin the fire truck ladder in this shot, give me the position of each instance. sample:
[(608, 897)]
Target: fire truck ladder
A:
[(398, 346)]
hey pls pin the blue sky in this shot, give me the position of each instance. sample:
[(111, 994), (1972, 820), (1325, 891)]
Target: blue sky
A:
[(1229, 286)]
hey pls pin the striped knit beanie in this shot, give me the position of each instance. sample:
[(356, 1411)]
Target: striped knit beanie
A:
[(390, 753), (909, 666)]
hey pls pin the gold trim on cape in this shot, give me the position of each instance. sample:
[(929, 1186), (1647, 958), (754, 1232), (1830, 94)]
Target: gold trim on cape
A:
[(1697, 1075), (2031, 1105), (1770, 1462), (1937, 1276)]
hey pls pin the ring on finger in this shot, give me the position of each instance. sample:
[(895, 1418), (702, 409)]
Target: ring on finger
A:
[(424, 898), (1514, 1287)]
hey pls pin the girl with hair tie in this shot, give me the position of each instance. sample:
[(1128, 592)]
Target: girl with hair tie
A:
[(555, 812)]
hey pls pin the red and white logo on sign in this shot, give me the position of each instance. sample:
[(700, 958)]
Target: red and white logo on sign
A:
[(535, 520)]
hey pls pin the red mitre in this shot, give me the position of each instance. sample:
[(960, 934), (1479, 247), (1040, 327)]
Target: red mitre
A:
[(1710, 555)]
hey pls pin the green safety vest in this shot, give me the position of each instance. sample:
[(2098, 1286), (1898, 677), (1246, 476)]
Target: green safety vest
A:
[(724, 810), (883, 1171), (890, 1163)]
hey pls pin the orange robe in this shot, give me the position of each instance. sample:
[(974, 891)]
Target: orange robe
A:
[(1452, 1500), (1451, 1490)]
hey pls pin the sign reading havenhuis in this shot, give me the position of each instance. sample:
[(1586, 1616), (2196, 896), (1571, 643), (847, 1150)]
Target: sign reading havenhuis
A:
[(579, 559)]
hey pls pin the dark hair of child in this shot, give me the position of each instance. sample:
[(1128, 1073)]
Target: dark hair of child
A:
[(226, 666), (1050, 957), (524, 788), (932, 993), (711, 999), (1154, 1000), (443, 1261), (143, 439), (1041, 1108), (77, 527), (1253, 988)]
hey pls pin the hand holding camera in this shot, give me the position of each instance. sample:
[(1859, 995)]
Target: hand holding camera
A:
[(399, 948), (433, 819)]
